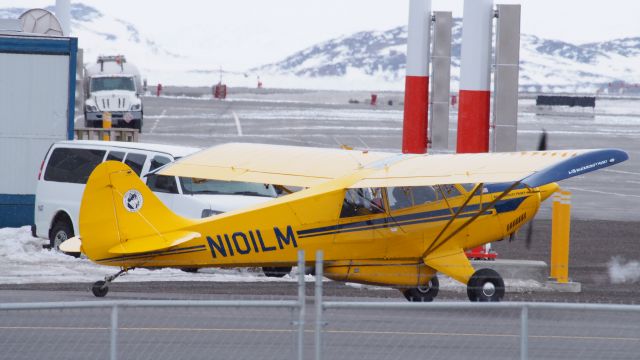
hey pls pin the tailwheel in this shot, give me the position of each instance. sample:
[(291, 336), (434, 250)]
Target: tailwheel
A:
[(423, 293), (100, 288), (485, 285)]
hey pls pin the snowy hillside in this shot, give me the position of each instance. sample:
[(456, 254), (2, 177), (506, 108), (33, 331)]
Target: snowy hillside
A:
[(547, 65), (99, 33), (362, 61)]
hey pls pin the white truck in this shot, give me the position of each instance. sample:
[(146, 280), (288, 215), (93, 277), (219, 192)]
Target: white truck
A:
[(113, 85)]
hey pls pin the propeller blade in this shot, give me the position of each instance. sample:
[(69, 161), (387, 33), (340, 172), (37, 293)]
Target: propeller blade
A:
[(529, 237), (542, 143)]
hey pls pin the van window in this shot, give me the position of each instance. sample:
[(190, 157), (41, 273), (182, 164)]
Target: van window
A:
[(162, 183), (136, 162), (195, 186), (72, 165), (158, 161), (115, 156)]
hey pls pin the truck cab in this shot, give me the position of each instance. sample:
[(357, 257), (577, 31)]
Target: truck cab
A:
[(113, 86)]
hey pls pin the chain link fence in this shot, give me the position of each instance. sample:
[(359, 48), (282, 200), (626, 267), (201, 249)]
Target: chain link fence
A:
[(289, 329)]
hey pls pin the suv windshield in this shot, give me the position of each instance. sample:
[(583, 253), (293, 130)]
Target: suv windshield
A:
[(112, 83), (195, 186)]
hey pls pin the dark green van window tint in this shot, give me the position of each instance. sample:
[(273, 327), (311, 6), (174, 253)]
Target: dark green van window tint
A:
[(72, 165), (115, 156), (135, 162)]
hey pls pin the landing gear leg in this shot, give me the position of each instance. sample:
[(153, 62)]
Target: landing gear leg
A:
[(101, 288)]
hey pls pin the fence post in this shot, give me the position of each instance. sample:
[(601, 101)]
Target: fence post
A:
[(524, 333), (318, 300), (114, 332), (302, 304)]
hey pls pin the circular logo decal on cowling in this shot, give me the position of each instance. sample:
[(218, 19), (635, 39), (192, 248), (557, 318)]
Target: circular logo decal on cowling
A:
[(132, 200)]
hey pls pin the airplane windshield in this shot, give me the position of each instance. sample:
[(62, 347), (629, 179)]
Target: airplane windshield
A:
[(194, 186), (112, 83)]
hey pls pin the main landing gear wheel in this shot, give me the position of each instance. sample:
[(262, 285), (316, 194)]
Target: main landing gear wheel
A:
[(277, 272), (485, 285), (425, 293)]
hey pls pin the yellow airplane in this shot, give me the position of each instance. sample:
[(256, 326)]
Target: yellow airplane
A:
[(380, 218)]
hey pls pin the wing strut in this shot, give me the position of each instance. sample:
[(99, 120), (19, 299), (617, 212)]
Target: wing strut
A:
[(455, 216), (488, 206)]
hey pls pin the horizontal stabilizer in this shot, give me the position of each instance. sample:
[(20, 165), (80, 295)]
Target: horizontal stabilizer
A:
[(71, 245), (154, 242)]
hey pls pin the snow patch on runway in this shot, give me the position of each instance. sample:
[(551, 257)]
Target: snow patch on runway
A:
[(624, 272)]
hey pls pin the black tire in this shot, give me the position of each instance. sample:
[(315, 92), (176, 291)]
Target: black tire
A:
[(59, 233), (276, 272), (423, 293), (190, 270), (485, 285), (99, 290)]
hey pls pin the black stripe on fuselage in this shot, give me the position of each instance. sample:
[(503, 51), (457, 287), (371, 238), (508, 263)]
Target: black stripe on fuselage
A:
[(176, 251)]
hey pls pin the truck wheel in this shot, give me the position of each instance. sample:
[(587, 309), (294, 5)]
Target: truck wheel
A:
[(60, 232)]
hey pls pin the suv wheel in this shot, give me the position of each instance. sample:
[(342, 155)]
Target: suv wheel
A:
[(60, 232)]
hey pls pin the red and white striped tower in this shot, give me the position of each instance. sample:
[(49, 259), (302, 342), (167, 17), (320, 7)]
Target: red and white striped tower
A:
[(475, 82), (416, 93), (475, 77)]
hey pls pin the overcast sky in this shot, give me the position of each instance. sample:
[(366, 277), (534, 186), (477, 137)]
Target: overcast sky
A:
[(271, 30)]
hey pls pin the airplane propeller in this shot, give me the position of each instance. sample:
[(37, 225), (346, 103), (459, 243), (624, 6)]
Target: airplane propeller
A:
[(542, 146)]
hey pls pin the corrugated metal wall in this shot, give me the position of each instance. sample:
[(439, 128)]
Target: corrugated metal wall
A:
[(34, 101)]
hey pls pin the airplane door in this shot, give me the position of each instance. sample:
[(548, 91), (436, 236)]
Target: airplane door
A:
[(363, 217)]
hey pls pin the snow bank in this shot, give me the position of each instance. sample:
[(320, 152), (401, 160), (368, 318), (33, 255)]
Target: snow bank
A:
[(24, 261)]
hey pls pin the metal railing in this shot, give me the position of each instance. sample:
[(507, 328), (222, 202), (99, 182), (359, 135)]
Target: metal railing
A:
[(321, 307), (114, 134)]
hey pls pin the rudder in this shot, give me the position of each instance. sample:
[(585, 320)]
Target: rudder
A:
[(117, 207)]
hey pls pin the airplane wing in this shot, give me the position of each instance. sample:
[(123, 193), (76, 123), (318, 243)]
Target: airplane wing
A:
[(272, 164), (532, 168), (306, 166)]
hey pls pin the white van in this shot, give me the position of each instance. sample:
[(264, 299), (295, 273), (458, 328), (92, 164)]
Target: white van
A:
[(68, 164)]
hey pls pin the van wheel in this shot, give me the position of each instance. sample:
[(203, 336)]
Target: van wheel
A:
[(60, 232)]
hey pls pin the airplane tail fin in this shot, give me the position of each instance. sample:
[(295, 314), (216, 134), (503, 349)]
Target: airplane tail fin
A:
[(120, 215)]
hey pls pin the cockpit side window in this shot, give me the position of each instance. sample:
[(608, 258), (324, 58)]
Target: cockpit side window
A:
[(449, 190), (362, 201), (399, 197), (468, 186), (424, 194)]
